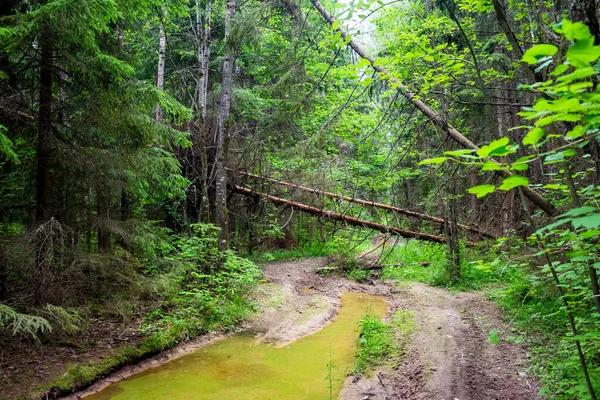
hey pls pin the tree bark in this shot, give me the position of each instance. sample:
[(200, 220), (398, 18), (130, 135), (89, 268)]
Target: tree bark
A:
[(223, 130), (160, 74), (586, 11), (433, 115), (44, 131), (532, 76), (103, 216), (345, 218), (42, 212), (203, 32)]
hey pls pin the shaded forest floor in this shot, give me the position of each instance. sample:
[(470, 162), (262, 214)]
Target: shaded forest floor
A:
[(25, 367), (448, 356)]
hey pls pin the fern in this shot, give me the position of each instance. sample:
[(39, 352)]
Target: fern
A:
[(18, 323)]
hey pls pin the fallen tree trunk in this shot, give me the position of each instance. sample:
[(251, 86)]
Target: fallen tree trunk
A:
[(367, 203), (372, 267), (433, 115), (345, 218)]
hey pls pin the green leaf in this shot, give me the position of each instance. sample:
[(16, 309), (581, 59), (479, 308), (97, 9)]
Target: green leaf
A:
[(493, 337), (496, 144), (519, 166), (575, 133), (533, 136), (555, 158), (555, 186), (458, 153), (576, 31), (491, 166), (562, 68), (591, 221), (579, 73), (437, 160), (537, 52), (363, 63), (482, 190), (576, 212), (553, 225), (513, 181), (583, 52)]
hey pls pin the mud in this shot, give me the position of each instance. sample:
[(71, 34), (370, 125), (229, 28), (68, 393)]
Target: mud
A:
[(450, 356)]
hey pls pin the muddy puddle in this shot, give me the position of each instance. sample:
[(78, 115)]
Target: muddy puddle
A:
[(240, 368)]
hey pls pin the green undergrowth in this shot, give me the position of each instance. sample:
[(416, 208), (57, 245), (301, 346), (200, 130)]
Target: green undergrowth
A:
[(342, 246), (206, 291), (426, 262), (537, 317), (530, 302), (382, 342)]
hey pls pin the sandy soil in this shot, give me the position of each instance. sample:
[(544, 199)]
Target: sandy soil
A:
[(448, 357)]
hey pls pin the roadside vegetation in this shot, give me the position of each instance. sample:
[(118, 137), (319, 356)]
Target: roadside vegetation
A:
[(382, 343), (183, 288)]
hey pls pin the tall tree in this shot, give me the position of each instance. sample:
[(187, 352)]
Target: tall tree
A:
[(224, 128)]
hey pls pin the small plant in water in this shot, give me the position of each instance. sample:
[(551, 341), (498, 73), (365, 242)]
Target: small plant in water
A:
[(331, 367)]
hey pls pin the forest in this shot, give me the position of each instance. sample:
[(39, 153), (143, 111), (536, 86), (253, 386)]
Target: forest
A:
[(168, 167)]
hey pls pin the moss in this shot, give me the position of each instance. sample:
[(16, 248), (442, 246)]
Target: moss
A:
[(79, 377), (271, 295), (315, 306)]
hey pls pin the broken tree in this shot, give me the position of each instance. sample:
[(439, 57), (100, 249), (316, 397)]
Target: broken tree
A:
[(333, 216), (430, 113), (368, 203)]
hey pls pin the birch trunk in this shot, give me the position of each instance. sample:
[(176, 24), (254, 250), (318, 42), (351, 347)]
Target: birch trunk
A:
[(223, 131), (160, 74), (203, 32)]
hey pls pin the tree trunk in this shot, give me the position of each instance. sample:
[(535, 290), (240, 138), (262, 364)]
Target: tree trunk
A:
[(586, 11), (204, 50), (223, 131), (345, 218), (42, 213), (44, 131), (367, 203), (501, 17), (103, 216), (160, 74), (203, 42)]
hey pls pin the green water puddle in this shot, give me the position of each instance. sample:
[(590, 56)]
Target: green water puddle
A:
[(239, 368)]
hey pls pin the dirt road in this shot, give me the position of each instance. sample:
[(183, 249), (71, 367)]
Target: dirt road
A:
[(448, 357)]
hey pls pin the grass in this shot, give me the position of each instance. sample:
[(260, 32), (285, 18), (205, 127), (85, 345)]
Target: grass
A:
[(534, 310), (405, 263), (381, 342), (342, 246)]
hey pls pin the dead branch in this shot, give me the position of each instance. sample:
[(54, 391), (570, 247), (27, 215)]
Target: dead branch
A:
[(368, 203), (344, 218)]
